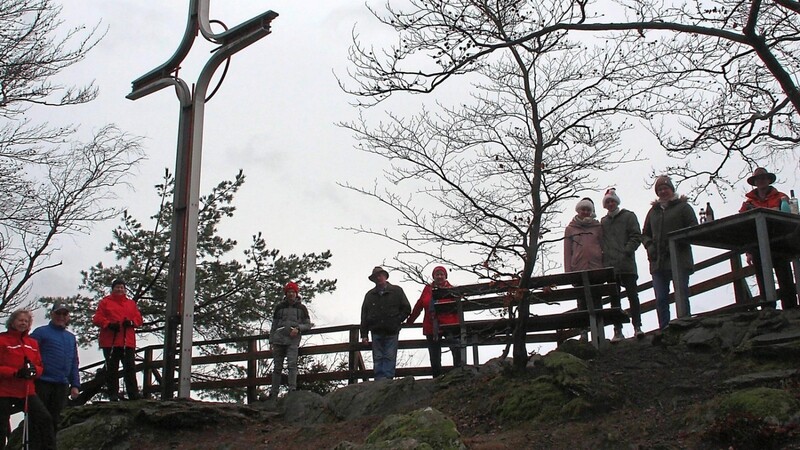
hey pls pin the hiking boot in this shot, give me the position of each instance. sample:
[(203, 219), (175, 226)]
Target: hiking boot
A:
[(637, 331), (617, 335)]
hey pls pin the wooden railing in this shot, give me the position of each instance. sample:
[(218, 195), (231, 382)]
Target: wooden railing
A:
[(352, 346)]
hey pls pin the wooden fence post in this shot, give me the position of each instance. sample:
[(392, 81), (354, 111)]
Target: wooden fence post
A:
[(252, 369), (147, 373), (353, 356)]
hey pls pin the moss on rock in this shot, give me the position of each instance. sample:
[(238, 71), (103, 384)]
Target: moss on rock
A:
[(759, 402), (421, 429)]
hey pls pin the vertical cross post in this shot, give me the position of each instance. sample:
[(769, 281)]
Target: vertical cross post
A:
[(183, 237)]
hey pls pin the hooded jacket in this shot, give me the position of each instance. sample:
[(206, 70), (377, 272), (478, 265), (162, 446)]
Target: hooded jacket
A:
[(15, 348), (582, 245), (662, 220), (117, 309), (621, 238), (286, 316)]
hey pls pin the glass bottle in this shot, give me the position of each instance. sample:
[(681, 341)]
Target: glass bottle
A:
[(709, 212)]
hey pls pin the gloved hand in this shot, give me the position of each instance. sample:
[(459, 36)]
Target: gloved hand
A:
[(128, 323), (27, 372), (113, 326)]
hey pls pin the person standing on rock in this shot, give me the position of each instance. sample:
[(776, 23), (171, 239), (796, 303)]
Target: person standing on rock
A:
[(669, 212), (59, 352), (289, 321), (384, 309), (20, 365), (621, 237), (764, 195), (582, 247), (432, 321), (118, 316)]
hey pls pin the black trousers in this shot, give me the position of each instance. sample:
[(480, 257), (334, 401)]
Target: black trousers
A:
[(435, 351), (41, 434), (628, 281), (783, 272), (54, 397), (113, 357)]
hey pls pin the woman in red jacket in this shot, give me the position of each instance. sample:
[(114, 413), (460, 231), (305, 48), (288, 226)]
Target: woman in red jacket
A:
[(117, 316), (20, 364), (431, 323)]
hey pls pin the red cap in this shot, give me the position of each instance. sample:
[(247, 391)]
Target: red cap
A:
[(291, 286)]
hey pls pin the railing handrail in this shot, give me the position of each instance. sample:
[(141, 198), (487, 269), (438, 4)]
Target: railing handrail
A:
[(354, 346)]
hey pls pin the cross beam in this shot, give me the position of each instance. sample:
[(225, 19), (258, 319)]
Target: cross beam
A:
[(183, 236)]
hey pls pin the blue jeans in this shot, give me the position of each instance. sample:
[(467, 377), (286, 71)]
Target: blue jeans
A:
[(384, 355), (661, 280)]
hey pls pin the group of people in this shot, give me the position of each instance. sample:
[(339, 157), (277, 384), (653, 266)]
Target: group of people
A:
[(612, 242), (39, 369)]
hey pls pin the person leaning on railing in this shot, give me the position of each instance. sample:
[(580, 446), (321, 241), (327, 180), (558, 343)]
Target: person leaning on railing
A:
[(432, 320), (766, 196)]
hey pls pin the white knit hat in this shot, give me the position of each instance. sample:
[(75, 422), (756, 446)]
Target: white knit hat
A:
[(611, 194), (585, 202)]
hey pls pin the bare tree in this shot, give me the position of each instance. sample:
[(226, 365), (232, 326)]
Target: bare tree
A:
[(49, 184), (485, 178), (734, 67)]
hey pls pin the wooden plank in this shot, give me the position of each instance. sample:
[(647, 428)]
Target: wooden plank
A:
[(596, 276), (552, 296)]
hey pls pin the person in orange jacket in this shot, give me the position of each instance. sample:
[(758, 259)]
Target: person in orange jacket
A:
[(432, 320), (118, 316), (764, 195), (20, 365)]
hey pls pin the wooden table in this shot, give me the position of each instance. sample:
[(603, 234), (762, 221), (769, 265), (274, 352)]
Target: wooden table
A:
[(760, 229)]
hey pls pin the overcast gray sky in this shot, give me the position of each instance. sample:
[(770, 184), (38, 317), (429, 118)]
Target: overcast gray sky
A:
[(274, 117)]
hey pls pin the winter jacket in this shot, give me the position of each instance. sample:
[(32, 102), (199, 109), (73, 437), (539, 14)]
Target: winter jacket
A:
[(117, 309), (772, 200), (384, 311), (286, 316), (15, 348), (59, 355), (432, 320), (661, 221), (621, 238), (582, 245)]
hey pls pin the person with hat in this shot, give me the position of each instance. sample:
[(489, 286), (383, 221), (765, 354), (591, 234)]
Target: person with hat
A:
[(118, 316), (669, 212), (289, 321), (20, 365), (59, 351), (582, 247), (764, 195), (432, 321), (621, 237), (384, 309)]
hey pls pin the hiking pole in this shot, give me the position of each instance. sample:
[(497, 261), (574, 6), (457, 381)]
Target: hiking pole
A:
[(26, 416)]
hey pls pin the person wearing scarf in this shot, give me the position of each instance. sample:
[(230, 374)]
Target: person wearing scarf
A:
[(583, 245)]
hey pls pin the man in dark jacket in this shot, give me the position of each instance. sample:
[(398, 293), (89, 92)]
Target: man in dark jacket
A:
[(384, 309), (669, 212), (621, 238), (289, 321), (60, 359)]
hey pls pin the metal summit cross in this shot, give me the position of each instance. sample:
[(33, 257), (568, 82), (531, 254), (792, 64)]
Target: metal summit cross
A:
[(183, 237)]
